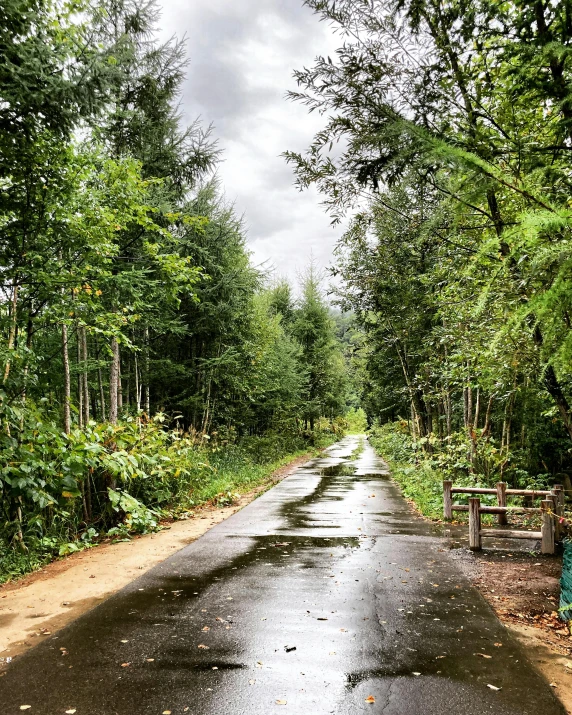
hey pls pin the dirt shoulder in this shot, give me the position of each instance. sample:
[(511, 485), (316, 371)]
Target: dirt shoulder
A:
[(47, 600), (523, 589)]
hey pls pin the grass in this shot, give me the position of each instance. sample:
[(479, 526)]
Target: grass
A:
[(241, 476), (419, 482)]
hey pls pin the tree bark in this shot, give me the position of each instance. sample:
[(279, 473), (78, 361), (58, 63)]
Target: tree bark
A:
[(67, 380), (79, 378), (147, 376), (85, 380), (113, 381), (101, 394), (119, 384), (13, 325)]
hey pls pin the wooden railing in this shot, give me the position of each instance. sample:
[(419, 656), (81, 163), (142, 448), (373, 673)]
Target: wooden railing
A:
[(546, 535), (551, 509)]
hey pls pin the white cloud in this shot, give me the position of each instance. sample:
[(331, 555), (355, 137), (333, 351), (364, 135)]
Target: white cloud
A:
[(243, 54)]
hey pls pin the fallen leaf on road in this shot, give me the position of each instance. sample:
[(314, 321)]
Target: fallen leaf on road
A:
[(483, 655), (498, 645), (492, 687), (125, 665), (203, 646), (370, 699), (206, 628)]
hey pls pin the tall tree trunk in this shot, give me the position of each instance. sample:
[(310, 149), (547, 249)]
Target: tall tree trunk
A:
[(555, 391), (113, 381), (100, 382), (13, 326), (127, 394), (101, 394), (147, 375), (137, 386), (79, 378), (413, 423), (119, 384), (29, 328), (487, 425), (477, 409), (67, 379), (85, 380)]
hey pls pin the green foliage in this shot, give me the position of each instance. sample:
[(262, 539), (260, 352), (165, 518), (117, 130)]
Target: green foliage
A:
[(420, 482), (145, 365), (356, 420), (420, 472), (158, 474), (451, 126)]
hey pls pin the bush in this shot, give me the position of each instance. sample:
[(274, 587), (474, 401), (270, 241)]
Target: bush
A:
[(420, 468), (61, 492)]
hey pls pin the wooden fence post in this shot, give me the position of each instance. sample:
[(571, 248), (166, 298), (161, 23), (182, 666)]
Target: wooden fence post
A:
[(447, 499), (547, 529), (559, 489), (475, 543), (501, 498), (558, 492)]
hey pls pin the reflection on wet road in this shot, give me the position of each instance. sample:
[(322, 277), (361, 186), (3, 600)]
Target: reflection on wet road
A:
[(323, 592)]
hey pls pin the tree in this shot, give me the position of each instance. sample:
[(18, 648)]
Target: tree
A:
[(314, 329)]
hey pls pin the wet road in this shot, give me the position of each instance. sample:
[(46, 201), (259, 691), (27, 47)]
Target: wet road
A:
[(323, 592)]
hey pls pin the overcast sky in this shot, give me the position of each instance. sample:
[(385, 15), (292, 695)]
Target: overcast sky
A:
[(243, 53)]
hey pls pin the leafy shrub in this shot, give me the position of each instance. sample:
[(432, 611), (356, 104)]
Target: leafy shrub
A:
[(420, 467), (114, 480)]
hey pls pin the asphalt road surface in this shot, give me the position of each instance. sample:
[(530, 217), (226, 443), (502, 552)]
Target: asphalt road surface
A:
[(324, 595)]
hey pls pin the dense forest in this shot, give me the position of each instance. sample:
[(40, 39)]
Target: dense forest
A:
[(447, 144), (146, 364)]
